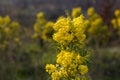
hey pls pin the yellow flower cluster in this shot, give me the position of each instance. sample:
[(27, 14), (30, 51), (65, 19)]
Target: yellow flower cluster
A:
[(90, 11), (40, 22), (38, 26), (69, 34), (48, 31), (94, 26), (92, 15), (69, 64), (116, 21), (76, 12), (68, 31), (50, 68), (15, 25), (117, 13), (5, 20), (42, 28), (83, 69), (9, 31), (96, 29), (40, 18)]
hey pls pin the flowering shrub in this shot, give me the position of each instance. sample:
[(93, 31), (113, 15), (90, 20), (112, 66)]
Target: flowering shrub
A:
[(9, 32), (96, 30), (68, 33), (42, 28), (70, 64)]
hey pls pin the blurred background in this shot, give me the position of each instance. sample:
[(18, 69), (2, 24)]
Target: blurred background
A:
[(24, 10), (23, 58)]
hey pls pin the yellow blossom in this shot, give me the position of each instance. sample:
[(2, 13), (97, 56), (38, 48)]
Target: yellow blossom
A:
[(50, 68), (90, 11), (63, 37), (1, 20), (83, 69), (60, 23), (64, 58), (56, 75), (48, 31), (40, 15), (7, 30), (15, 25), (117, 13), (36, 28), (6, 20), (67, 29), (68, 64), (76, 12)]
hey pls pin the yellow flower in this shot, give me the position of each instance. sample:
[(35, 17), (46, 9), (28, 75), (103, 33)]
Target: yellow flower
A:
[(69, 32), (118, 21), (117, 13), (113, 21), (64, 58), (7, 30), (80, 26), (60, 23), (78, 59), (98, 21), (40, 15), (50, 68), (83, 69), (48, 31), (41, 19), (37, 28), (68, 64), (63, 38), (56, 75), (1, 20), (90, 11), (60, 17), (77, 78), (67, 29), (15, 25), (76, 12), (64, 72), (6, 20)]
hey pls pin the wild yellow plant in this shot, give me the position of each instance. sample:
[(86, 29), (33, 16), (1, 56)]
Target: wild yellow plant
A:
[(76, 12), (9, 31), (42, 28), (69, 31), (70, 63), (96, 29), (116, 21)]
